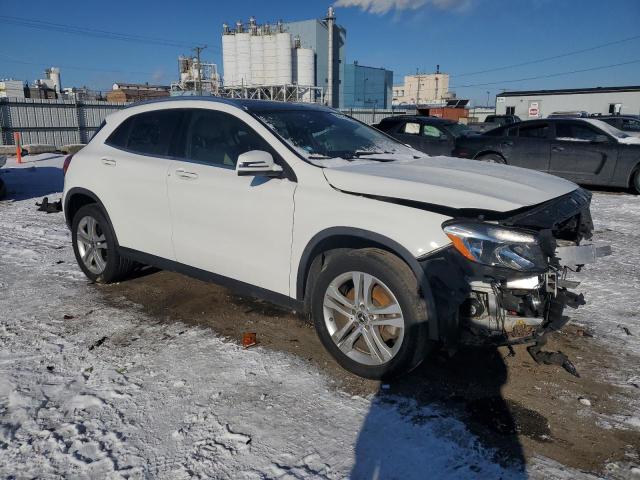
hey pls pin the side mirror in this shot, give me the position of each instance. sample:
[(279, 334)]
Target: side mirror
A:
[(600, 139), (257, 163)]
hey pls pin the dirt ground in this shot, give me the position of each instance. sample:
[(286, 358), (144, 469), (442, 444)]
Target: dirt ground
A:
[(513, 405)]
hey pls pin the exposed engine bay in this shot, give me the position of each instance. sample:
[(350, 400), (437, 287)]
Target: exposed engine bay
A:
[(480, 303)]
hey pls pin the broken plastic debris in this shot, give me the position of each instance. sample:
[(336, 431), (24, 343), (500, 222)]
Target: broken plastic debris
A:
[(67, 316), (249, 339), (584, 401)]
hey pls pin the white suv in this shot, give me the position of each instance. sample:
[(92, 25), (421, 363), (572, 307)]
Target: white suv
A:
[(389, 250)]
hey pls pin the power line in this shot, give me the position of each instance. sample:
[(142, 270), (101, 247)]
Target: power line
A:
[(551, 75), (10, 59), (92, 32), (546, 59)]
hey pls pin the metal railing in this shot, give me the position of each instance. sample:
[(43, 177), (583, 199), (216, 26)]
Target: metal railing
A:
[(371, 115)]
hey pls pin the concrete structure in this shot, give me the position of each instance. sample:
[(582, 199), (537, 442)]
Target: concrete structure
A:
[(422, 88), (11, 89), (367, 87), (540, 103), (135, 92), (291, 55)]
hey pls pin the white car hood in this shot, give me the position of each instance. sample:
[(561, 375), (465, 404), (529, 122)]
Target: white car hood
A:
[(450, 182)]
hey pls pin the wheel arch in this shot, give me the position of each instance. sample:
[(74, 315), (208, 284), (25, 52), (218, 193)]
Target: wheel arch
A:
[(78, 197), (338, 238), (633, 171)]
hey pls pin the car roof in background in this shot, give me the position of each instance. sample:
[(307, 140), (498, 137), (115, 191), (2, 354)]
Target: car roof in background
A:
[(418, 118)]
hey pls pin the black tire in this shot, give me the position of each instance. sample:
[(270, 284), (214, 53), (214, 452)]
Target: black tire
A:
[(3, 189), (492, 158), (401, 281), (635, 181), (116, 267)]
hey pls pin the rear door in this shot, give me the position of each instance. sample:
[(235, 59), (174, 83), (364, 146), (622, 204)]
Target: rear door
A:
[(239, 227), (577, 155), (409, 133), (527, 145), (133, 172)]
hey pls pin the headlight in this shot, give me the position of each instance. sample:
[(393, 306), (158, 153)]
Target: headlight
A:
[(497, 246)]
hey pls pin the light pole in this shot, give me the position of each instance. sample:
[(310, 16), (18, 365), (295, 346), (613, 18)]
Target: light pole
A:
[(488, 97), (364, 93)]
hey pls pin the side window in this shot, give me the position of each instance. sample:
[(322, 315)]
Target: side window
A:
[(218, 138), (534, 131), (431, 131), (411, 128), (575, 133), (148, 133)]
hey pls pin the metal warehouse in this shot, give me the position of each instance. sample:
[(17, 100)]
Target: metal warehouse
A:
[(541, 103)]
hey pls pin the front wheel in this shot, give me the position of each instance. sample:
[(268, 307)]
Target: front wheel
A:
[(96, 248), (369, 314)]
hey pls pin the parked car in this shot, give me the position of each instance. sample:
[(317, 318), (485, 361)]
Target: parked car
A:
[(432, 135), (585, 151), (570, 114), (629, 124), (390, 251), (493, 121)]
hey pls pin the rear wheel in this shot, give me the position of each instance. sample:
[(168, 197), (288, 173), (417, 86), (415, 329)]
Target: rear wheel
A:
[(369, 314), (635, 182), (96, 248), (492, 158)]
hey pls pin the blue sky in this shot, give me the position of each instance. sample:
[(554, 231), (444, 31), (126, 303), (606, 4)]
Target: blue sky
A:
[(462, 36)]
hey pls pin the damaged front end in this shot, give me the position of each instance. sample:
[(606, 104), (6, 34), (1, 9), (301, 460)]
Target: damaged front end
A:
[(505, 281)]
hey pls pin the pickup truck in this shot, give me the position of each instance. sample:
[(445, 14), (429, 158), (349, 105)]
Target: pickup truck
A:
[(493, 121)]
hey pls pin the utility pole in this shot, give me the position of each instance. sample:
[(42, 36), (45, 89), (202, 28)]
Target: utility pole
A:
[(488, 97), (199, 77), (418, 93)]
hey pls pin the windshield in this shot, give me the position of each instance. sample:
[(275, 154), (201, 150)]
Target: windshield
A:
[(318, 135), (610, 129)]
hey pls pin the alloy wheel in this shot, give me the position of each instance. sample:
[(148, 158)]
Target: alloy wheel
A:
[(92, 245), (364, 318)]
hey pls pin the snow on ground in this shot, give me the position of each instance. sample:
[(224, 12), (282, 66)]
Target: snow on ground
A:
[(90, 390)]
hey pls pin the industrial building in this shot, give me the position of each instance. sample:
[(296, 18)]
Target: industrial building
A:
[(422, 89), (367, 87), (135, 92), (196, 78), (531, 104), (11, 89), (286, 60)]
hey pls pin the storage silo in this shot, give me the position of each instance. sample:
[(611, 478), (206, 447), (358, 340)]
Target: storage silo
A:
[(243, 58), (270, 59), (305, 69), (257, 59), (229, 63), (284, 53)]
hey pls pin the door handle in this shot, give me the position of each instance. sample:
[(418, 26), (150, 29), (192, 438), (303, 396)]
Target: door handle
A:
[(186, 175), (507, 144), (110, 162), (557, 149)]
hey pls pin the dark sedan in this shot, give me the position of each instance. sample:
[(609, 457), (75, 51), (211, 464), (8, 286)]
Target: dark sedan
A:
[(586, 151), (432, 135), (627, 123)]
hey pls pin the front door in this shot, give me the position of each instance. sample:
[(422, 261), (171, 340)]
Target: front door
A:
[(580, 153), (235, 226), (436, 141)]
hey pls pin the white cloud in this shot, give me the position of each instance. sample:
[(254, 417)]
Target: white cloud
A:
[(381, 7)]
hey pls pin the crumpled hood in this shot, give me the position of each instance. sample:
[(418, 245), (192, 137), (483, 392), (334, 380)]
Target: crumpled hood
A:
[(450, 182)]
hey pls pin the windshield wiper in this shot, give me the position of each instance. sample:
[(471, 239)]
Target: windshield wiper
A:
[(319, 157), (362, 153)]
